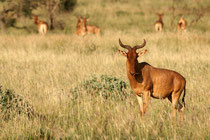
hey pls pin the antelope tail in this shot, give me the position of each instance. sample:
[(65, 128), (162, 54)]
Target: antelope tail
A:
[(184, 96)]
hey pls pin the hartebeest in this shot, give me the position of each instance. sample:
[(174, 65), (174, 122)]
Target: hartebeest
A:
[(159, 23), (81, 28), (42, 26), (148, 81), (182, 24), (91, 29)]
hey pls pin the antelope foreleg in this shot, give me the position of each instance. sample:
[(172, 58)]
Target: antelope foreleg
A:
[(140, 101)]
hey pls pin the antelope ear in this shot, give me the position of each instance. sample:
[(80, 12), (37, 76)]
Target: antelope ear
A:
[(122, 53), (142, 52)]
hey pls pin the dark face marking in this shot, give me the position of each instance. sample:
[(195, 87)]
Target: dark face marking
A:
[(132, 61)]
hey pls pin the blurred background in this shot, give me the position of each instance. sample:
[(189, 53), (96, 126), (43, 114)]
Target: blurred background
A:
[(124, 15)]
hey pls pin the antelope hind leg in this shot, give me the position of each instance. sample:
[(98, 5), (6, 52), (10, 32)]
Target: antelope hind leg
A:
[(146, 101)]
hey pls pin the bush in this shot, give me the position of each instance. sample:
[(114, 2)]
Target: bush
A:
[(68, 5), (106, 86), (12, 104)]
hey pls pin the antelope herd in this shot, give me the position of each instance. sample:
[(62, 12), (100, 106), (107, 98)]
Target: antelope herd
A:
[(181, 25), (82, 28)]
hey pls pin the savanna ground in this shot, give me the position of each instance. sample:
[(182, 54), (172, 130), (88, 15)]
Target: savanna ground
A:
[(45, 69)]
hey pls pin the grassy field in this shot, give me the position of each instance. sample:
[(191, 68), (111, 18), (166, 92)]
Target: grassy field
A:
[(43, 70)]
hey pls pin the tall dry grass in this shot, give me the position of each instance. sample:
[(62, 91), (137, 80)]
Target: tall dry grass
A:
[(44, 70)]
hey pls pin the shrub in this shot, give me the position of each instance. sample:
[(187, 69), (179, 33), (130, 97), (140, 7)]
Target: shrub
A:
[(108, 87), (12, 104)]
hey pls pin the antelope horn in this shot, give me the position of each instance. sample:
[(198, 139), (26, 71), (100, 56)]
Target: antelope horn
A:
[(124, 46), (140, 46)]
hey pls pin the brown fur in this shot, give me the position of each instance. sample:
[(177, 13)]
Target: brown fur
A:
[(148, 81), (159, 23), (182, 24), (42, 26), (91, 29), (81, 28)]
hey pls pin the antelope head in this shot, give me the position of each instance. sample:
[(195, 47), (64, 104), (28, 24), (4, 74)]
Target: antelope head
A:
[(85, 21), (132, 55), (79, 22), (160, 16), (36, 19)]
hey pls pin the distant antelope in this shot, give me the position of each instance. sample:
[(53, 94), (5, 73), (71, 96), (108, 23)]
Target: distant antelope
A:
[(182, 24), (42, 26), (91, 29), (81, 28), (159, 23), (148, 81)]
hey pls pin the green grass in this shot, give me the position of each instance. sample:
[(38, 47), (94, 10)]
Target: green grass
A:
[(43, 70)]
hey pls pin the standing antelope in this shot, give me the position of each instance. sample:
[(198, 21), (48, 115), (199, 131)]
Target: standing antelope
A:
[(182, 24), (159, 23), (42, 26), (91, 29), (148, 81), (81, 28)]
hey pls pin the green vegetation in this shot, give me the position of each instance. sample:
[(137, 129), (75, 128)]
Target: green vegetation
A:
[(64, 77), (105, 86), (12, 105)]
